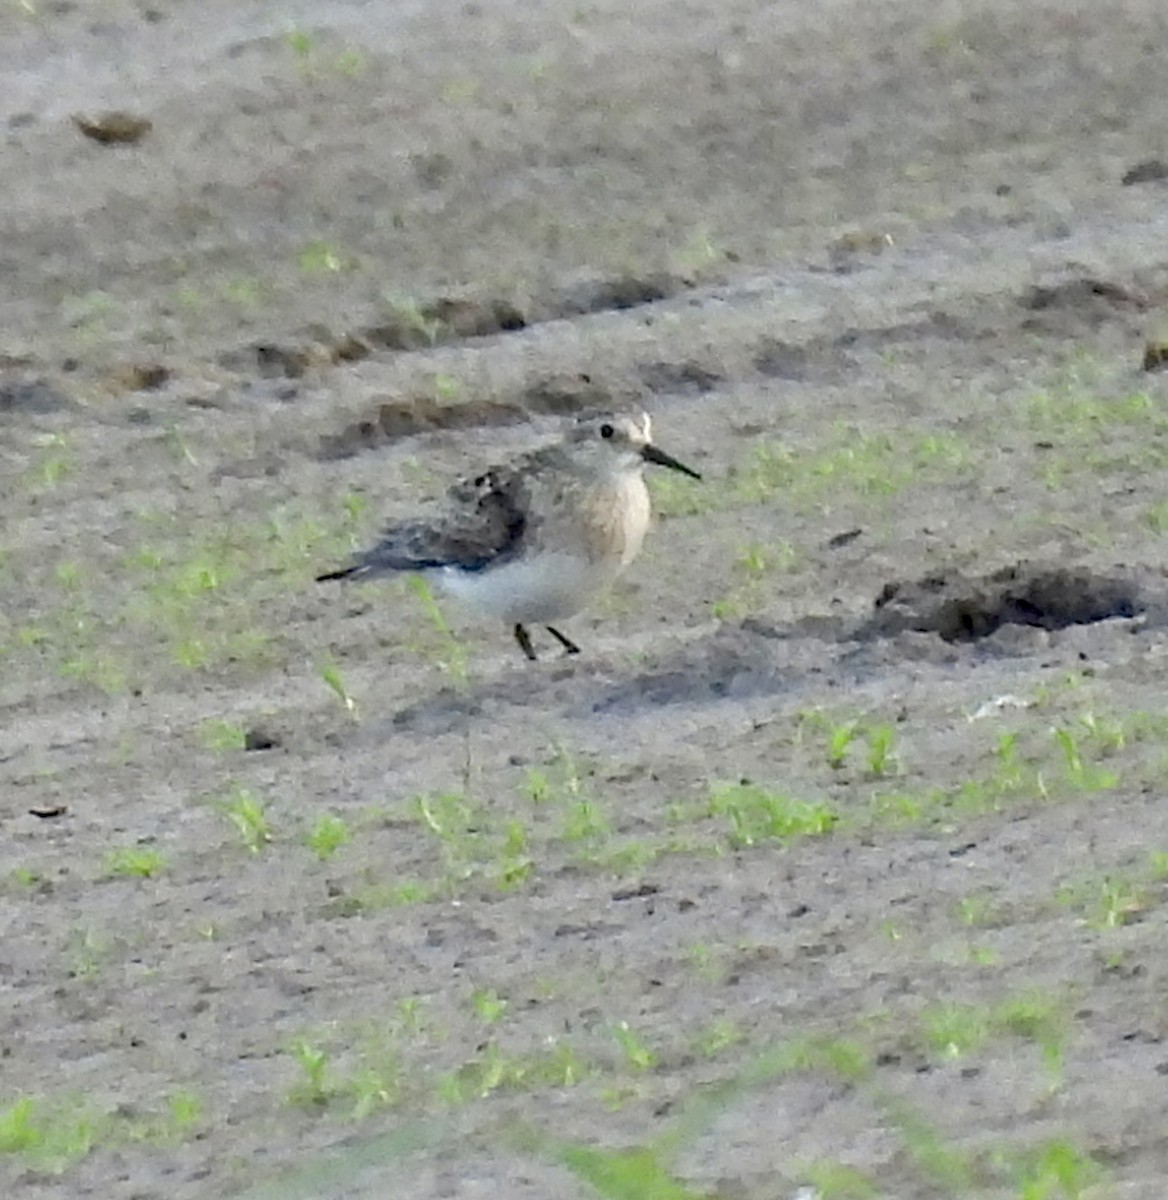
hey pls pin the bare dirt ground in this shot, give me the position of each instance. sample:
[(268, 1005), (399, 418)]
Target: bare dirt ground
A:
[(838, 864)]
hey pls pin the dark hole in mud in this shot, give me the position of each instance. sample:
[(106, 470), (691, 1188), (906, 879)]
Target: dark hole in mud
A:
[(678, 378), (271, 361), (782, 360), (261, 739), (1156, 354), (564, 395), (411, 325), (1079, 306), (36, 397), (831, 359), (445, 319), (1074, 293), (1149, 171), (392, 419), (114, 128), (396, 419), (596, 295), (138, 377), (964, 609), (936, 324)]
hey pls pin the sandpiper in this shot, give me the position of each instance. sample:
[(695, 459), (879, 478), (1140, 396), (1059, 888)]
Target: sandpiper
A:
[(534, 540)]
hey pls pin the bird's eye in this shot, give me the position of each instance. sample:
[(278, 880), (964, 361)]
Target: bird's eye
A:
[(606, 430)]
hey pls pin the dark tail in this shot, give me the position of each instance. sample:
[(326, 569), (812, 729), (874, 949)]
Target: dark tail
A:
[(343, 573)]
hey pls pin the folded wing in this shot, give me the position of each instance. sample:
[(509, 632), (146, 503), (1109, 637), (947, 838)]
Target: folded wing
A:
[(484, 524)]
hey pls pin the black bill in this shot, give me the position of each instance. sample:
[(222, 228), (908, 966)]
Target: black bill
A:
[(652, 454)]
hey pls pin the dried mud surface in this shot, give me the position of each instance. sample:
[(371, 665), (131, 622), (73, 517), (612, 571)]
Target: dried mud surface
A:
[(893, 276)]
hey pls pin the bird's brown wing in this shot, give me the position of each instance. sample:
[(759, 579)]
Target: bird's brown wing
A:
[(484, 522)]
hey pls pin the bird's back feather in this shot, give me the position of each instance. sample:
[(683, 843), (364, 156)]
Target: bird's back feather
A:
[(484, 524)]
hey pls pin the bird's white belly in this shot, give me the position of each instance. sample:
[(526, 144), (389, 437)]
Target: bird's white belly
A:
[(539, 589)]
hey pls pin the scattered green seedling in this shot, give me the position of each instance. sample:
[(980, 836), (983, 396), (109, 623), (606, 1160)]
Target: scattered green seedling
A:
[(335, 682), (1078, 421), (623, 1174), (558, 782), (410, 313), (756, 814), (314, 1088), (701, 956), (1039, 1019), (1081, 775), (868, 465), (375, 897), (698, 253), (838, 1181), (89, 951), (373, 1088), (327, 836), (515, 864), (976, 910), (180, 1119), (446, 387), (939, 1161), (1157, 866), (300, 42), (489, 1005), (1156, 518), (449, 816), (1057, 1170), (1109, 902), (26, 877), (900, 809), (1108, 736), (458, 92), (582, 819), (222, 737), (351, 63), (676, 496), (585, 821), (249, 817), (472, 844), (839, 739), (891, 930), (137, 862), (754, 563), (411, 1013), (491, 1070), (48, 1135), (453, 657), (322, 258), (882, 757), (245, 291), (1009, 763), (90, 312), (179, 446), (981, 955), (68, 575), (185, 1115), (636, 1053), (956, 1030), (355, 506), (953, 1030), (838, 1056), (718, 1037), (54, 463)]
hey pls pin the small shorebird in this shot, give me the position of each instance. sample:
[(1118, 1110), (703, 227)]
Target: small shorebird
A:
[(534, 540)]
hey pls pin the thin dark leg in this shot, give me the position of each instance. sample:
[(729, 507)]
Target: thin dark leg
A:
[(567, 643), (524, 640)]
